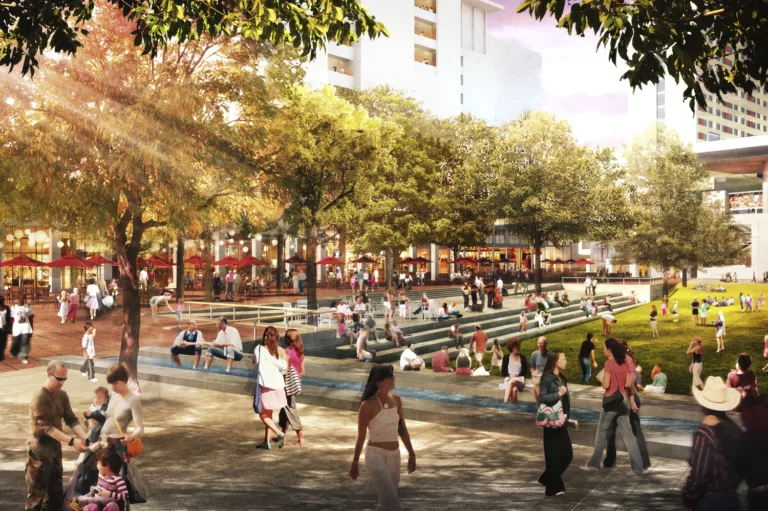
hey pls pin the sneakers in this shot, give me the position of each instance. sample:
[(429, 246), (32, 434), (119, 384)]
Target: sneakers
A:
[(94, 380), (25, 361), (84, 374), (588, 468)]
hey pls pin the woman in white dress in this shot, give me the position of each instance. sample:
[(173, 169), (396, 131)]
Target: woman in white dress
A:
[(63, 300), (93, 298), (272, 362), (720, 335)]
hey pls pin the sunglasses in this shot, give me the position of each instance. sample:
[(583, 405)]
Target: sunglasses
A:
[(59, 379)]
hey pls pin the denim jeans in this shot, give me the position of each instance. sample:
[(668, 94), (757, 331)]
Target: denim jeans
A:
[(301, 287), (586, 369), (609, 421), (637, 430)]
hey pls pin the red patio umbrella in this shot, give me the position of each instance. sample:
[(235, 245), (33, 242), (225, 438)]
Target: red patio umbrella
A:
[(558, 261), (583, 262), (365, 259), (570, 261), (546, 260), (250, 260), (157, 262), (227, 261), (98, 260), (464, 260), (408, 260), (423, 260), (22, 260), (621, 261), (70, 260), (330, 260), (195, 259), (295, 259)]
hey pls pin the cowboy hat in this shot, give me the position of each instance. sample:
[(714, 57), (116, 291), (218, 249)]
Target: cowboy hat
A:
[(716, 396)]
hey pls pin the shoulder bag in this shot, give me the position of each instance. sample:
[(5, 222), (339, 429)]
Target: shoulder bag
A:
[(614, 402), (551, 416), (134, 448), (292, 382), (257, 405)]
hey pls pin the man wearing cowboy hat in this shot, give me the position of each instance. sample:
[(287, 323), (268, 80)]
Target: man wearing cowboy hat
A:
[(714, 474)]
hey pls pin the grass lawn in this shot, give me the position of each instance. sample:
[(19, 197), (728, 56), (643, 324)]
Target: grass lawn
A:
[(744, 333)]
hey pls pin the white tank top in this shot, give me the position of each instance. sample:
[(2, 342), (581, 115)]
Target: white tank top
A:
[(383, 427)]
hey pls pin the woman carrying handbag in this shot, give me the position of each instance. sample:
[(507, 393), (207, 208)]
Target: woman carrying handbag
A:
[(271, 364), (558, 451), (618, 386), (290, 414)]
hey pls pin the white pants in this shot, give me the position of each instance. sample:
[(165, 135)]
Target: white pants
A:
[(697, 367), (384, 469), (656, 390)]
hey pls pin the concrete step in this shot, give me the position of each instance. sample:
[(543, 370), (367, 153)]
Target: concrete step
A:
[(666, 437), (432, 340)]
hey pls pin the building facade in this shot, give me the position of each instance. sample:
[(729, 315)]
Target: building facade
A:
[(439, 53)]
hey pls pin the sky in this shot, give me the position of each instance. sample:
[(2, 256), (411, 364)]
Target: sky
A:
[(579, 83)]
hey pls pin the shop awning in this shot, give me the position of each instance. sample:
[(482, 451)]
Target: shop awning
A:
[(70, 260)]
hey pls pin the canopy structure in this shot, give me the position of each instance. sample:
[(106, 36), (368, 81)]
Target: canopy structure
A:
[(423, 260), (409, 260), (195, 259), (330, 260), (23, 260), (558, 261), (157, 262), (98, 260), (250, 260), (227, 261), (70, 260), (365, 259), (295, 259), (583, 262), (570, 261)]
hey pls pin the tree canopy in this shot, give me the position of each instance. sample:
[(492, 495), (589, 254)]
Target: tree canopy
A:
[(28, 28), (711, 45)]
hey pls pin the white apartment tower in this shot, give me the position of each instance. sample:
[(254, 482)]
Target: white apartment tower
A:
[(438, 52)]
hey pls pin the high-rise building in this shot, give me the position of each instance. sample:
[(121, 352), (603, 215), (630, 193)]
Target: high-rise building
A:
[(438, 52), (737, 115)]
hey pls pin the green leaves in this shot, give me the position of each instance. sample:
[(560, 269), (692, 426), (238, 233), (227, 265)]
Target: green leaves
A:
[(31, 25), (644, 34)]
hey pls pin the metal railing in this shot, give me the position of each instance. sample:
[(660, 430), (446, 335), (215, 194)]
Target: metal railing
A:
[(616, 280)]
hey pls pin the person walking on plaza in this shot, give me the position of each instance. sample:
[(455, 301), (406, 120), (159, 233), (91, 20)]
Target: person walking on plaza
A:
[(558, 450), (289, 415), (272, 362), (92, 292), (715, 464), (143, 279), (538, 361), (587, 358), (188, 342), (720, 331), (227, 345), (74, 303), (229, 279), (155, 301), (302, 280), (615, 413), (6, 326), (653, 322), (696, 350), (50, 408), (21, 339), (381, 419), (587, 285), (89, 352), (63, 300), (634, 416)]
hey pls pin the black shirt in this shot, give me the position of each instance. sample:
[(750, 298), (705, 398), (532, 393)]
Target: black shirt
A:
[(653, 315), (694, 307), (587, 347)]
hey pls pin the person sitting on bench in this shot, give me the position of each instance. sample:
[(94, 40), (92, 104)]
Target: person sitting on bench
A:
[(227, 345), (188, 342), (409, 360)]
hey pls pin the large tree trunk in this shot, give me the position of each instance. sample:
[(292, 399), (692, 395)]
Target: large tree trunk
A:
[(180, 268), (685, 277), (127, 255), (388, 265), (311, 282), (280, 263), (537, 274), (343, 251), (665, 290), (207, 268)]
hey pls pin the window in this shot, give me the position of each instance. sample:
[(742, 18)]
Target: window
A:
[(702, 136), (717, 126), (709, 109), (462, 98), (462, 79), (709, 124), (718, 113)]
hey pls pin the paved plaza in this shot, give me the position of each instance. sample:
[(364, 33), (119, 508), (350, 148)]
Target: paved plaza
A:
[(199, 454)]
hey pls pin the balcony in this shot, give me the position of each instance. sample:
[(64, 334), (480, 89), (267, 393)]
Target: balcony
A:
[(426, 10), (426, 33), (341, 80), (340, 72), (425, 55), (341, 51)]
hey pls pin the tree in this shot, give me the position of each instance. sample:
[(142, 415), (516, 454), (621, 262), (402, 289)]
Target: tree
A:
[(550, 189), (688, 39), (467, 216), (28, 28), (674, 226), (322, 147), (117, 145), (400, 203)]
